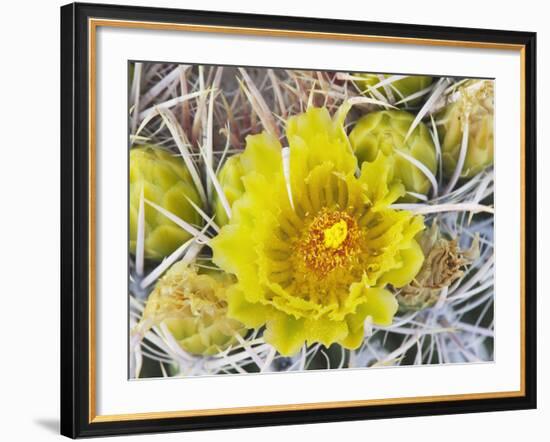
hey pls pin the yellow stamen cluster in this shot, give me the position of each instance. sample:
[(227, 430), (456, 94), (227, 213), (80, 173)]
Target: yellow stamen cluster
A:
[(330, 241), (336, 235)]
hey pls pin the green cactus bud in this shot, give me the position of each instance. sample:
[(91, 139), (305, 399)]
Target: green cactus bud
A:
[(475, 105), (443, 264), (399, 89), (229, 177), (165, 181), (194, 309), (386, 131)]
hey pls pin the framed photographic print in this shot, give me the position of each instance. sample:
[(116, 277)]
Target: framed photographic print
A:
[(279, 220)]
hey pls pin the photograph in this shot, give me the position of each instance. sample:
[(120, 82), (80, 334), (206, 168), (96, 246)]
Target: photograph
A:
[(285, 220)]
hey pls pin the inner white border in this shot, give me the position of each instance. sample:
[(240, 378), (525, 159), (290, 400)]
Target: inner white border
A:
[(117, 395)]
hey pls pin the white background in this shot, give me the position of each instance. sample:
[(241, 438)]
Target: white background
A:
[(29, 221)]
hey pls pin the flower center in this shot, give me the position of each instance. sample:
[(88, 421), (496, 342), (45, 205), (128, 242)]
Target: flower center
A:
[(330, 241), (334, 236)]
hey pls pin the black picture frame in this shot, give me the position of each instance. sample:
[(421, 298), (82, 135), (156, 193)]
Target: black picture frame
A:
[(75, 221)]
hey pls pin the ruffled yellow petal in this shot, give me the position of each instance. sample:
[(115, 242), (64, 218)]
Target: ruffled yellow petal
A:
[(356, 329), (253, 315), (378, 178), (314, 138), (232, 253), (262, 155), (381, 306), (285, 333), (410, 263), (325, 331)]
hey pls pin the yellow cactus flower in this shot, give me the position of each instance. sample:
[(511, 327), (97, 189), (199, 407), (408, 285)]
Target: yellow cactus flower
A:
[(476, 106), (398, 89), (385, 131), (230, 178), (311, 244), (165, 181), (194, 309)]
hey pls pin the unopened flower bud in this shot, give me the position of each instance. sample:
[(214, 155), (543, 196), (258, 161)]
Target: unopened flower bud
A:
[(475, 105), (165, 181), (229, 176), (386, 131), (396, 90)]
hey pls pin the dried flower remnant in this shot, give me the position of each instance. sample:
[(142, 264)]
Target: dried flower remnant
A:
[(386, 132), (474, 106), (193, 307), (164, 180), (443, 264), (312, 262)]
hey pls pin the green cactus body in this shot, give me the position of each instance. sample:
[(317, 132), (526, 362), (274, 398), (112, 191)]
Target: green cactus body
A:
[(399, 89), (166, 182), (385, 131), (475, 105), (229, 177), (194, 309)]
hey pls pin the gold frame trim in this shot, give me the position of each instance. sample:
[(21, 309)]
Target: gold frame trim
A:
[(93, 24)]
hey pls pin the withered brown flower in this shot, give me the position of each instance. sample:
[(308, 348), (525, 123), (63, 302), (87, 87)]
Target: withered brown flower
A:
[(444, 263)]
